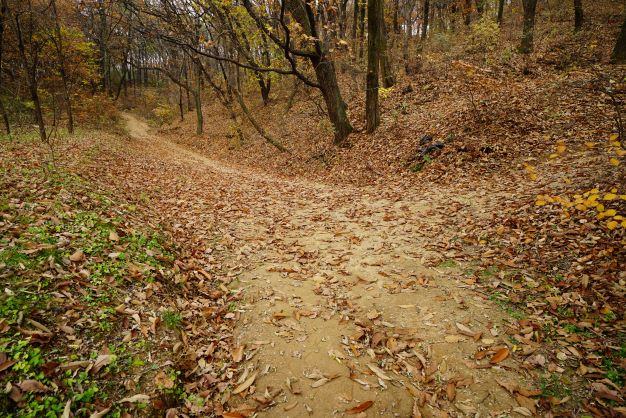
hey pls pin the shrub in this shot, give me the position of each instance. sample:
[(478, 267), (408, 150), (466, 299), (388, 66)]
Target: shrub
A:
[(483, 36)]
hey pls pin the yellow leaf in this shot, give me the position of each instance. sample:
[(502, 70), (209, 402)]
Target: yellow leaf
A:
[(614, 162), (561, 148), (581, 207), (567, 180), (616, 144), (594, 191), (553, 156), (610, 196), (623, 224), (589, 144), (540, 202), (618, 218), (611, 225), (613, 137), (620, 152), (610, 212), (533, 176), (600, 208)]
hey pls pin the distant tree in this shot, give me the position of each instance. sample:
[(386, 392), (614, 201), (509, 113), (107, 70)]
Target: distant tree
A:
[(619, 51), (426, 14), (374, 37), (578, 15), (500, 11), (58, 43), (530, 7), (385, 62), (3, 14), (29, 46)]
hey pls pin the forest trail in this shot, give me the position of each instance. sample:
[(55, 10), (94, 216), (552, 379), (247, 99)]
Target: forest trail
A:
[(340, 283)]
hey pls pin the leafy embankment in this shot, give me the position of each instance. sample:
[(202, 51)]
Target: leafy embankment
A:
[(556, 261), (88, 317)]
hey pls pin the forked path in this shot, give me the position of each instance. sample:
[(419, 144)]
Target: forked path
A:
[(347, 299)]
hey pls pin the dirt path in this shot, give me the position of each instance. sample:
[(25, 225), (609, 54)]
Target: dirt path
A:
[(346, 297)]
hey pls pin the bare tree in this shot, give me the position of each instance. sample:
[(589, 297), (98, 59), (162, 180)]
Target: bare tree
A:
[(578, 15), (530, 7), (619, 51), (374, 37)]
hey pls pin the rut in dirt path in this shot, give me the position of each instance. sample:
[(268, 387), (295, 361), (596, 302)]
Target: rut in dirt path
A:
[(346, 300)]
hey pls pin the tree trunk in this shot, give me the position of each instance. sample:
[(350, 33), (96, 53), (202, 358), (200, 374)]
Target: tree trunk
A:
[(425, 24), (619, 52), (61, 57), (31, 78), (355, 22), (578, 15), (385, 62), (324, 71), (405, 49), (5, 116), (374, 28), (197, 99), (255, 124), (530, 6), (180, 103), (480, 6), (396, 22), (104, 71), (361, 29), (467, 12), (343, 18), (500, 12)]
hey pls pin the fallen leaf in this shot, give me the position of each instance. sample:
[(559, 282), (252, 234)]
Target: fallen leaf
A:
[(237, 354), (245, 385), (135, 398), (378, 372), (30, 385), (100, 414), (78, 255), (67, 410), (162, 380), (500, 355), (101, 361), (360, 408), (290, 406)]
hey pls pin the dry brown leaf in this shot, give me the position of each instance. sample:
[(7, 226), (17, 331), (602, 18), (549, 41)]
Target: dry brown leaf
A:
[(320, 382), (140, 397), (527, 403), (290, 406), (360, 408), (31, 385), (6, 364), (78, 255), (451, 391), (101, 361), (100, 414), (500, 355), (378, 372), (416, 410), (162, 380), (237, 354), (245, 385)]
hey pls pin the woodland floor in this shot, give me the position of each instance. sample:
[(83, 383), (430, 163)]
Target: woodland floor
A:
[(291, 297), (316, 259)]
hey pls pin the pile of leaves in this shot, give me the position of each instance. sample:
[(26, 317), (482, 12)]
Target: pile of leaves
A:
[(560, 259), (101, 312)]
